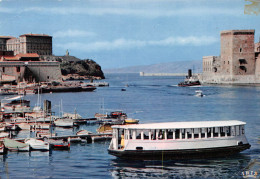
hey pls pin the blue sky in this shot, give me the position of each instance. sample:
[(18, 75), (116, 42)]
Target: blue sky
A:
[(121, 33)]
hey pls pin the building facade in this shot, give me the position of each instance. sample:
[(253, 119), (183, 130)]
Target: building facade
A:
[(21, 58), (27, 43), (238, 60)]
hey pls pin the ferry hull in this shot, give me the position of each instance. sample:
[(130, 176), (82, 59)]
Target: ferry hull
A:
[(179, 154)]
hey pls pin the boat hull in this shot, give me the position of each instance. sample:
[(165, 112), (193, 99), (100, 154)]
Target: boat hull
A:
[(179, 154)]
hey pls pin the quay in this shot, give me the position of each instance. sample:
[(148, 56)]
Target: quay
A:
[(164, 74)]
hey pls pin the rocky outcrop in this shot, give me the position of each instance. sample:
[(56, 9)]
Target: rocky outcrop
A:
[(75, 68), (82, 68)]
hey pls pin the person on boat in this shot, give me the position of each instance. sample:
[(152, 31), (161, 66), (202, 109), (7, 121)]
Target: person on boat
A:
[(160, 135), (122, 140)]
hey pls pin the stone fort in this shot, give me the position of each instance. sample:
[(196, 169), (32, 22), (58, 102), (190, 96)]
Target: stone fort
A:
[(22, 58), (239, 60)]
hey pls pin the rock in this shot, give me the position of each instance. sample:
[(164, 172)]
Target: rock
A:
[(75, 68)]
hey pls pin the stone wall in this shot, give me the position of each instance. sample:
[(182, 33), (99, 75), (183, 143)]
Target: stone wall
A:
[(40, 71)]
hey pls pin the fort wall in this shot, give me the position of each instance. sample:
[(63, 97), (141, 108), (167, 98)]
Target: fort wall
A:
[(239, 60)]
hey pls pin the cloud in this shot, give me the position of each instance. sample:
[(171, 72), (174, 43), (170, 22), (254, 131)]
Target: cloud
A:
[(73, 33), (147, 12), (131, 44)]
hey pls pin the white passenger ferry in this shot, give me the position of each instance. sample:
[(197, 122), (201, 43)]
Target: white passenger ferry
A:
[(178, 140)]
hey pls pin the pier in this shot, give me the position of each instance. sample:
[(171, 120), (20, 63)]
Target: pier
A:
[(165, 74)]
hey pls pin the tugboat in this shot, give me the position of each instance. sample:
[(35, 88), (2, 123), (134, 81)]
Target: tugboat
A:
[(190, 80)]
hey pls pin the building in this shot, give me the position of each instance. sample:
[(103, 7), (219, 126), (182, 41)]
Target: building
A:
[(22, 58), (27, 43), (29, 67), (238, 61)]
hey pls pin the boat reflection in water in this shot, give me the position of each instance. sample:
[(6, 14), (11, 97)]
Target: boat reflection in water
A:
[(200, 168)]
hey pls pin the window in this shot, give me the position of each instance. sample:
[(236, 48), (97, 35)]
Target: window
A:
[(215, 131), (170, 133), (177, 134), (203, 131), (3, 69), (146, 134), (196, 133), (138, 134), (228, 131), (222, 132), (208, 130)]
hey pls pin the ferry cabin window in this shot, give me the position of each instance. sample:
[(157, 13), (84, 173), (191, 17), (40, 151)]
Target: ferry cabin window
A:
[(208, 130), (222, 132), (183, 133), (228, 131), (177, 133), (189, 133), (138, 134), (215, 131), (242, 130), (237, 130), (233, 131), (146, 134), (196, 133), (203, 131), (170, 133)]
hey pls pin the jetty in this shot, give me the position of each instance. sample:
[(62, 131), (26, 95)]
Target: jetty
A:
[(164, 74)]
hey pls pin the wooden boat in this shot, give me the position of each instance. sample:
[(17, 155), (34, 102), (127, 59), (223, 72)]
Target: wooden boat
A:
[(36, 144), (178, 140), (14, 145), (131, 121)]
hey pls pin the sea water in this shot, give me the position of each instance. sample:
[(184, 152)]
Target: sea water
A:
[(149, 99)]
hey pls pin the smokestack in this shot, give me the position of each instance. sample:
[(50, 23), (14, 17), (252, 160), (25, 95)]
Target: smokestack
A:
[(189, 73)]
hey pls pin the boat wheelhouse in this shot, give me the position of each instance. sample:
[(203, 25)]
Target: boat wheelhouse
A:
[(178, 140)]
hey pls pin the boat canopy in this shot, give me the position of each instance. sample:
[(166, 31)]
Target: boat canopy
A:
[(181, 125)]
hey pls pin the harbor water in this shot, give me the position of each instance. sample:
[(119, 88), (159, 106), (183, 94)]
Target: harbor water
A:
[(149, 99)]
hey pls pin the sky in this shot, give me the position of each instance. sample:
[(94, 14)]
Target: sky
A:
[(122, 33)]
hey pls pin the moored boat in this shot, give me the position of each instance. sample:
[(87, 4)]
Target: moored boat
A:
[(64, 123), (14, 145), (36, 144), (178, 140), (83, 132), (59, 144)]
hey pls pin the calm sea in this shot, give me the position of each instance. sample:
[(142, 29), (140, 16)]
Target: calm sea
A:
[(150, 99)]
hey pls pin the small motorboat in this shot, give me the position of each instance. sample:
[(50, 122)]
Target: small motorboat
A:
[(199, 93), (64, 123), (131, 121), (14, 145), (36, 144), (59, 144), (83, 132)]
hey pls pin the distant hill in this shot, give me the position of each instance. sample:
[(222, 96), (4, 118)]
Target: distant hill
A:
[(170, 67)]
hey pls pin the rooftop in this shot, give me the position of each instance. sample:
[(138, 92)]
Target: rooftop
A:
[(182, 125), (35, 35)]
